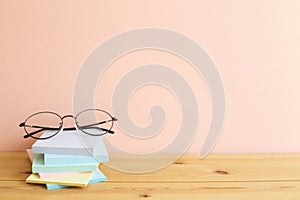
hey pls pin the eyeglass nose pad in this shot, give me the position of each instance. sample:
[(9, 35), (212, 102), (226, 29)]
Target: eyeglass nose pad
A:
[(75, 125), (77, 129), (61, 127)]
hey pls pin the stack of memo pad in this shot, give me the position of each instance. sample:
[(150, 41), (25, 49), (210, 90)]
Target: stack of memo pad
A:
[(67, 160)]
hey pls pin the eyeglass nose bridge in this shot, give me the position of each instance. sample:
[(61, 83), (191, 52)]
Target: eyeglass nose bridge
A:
[(66, 116)]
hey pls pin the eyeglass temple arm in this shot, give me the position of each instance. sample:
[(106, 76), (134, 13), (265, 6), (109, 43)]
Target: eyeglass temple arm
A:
[(106, 121), (37, 131), (103, 122), (89, 125)]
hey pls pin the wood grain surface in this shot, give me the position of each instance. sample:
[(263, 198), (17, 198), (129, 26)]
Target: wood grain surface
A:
[(219, 176)]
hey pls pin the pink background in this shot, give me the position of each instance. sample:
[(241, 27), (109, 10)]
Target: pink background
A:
[(254, 44)]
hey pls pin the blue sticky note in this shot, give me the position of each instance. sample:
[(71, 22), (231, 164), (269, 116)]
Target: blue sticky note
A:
[(70, 143), (58, 159), (98, 176), (39, 166)]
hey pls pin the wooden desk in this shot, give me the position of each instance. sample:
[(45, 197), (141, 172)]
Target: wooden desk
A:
[(227, 176)]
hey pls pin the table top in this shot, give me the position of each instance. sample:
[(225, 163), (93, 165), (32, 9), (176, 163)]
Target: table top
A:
[(218, 176)]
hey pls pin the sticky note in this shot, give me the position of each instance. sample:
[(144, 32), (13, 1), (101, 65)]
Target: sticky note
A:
[(79, 180), (98, 176), (56, 159), (70, 143), (39, 166)]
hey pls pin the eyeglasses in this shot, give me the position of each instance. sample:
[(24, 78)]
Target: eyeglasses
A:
[(94, 122)]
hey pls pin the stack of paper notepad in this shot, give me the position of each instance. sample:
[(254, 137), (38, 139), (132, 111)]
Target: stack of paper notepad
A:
[(67, 159)]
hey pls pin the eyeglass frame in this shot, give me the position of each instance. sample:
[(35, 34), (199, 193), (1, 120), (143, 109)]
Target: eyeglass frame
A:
[(77, 127)]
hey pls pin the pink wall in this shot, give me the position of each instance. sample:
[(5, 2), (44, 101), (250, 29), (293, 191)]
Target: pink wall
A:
[(254, 44)]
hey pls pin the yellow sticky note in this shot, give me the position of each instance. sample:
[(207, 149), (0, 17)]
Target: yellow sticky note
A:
[(78, 180)]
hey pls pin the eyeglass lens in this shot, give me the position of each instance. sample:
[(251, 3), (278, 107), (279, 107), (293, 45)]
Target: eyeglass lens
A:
[(37, 123), (94, 122)]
